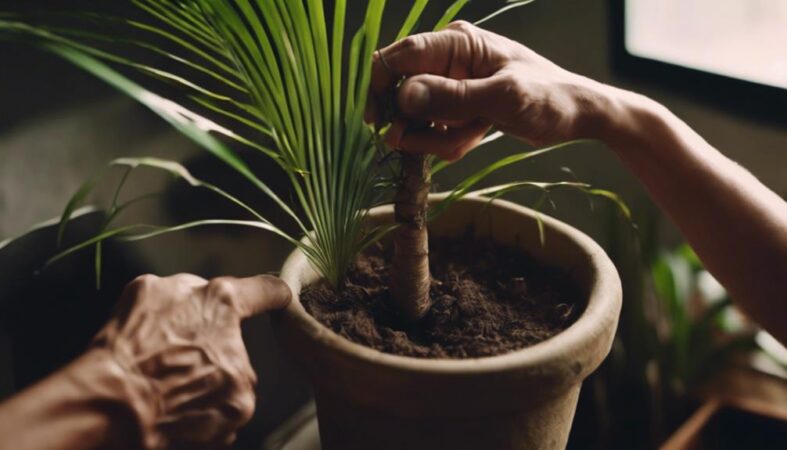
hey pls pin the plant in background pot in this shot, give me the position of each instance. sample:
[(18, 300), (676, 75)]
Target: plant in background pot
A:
[(485, 350)]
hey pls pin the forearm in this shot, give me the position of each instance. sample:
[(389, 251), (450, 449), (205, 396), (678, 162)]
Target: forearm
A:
[(737, 226), (80, 407), (465, 76)]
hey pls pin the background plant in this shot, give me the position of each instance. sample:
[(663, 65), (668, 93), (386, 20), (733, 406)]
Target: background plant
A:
[(678, 329), (287, 79)]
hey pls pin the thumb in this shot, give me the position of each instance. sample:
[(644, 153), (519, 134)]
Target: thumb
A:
[(436, 98), (252, 296)]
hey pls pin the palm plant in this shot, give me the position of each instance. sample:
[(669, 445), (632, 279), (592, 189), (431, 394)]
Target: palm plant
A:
[(286, 79)]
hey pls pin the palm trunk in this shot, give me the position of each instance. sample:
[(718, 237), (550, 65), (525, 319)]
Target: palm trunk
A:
[(410, 279)]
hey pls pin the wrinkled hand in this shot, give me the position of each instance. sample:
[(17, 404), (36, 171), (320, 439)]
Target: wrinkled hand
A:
[(466, 80), (178, 340)]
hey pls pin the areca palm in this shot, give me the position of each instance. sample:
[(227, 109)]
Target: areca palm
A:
[(286, 78)]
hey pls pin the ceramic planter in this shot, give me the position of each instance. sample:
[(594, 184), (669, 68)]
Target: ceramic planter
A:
[(521, 400)]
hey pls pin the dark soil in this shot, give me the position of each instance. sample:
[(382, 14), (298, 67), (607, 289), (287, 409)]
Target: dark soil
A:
[(488, 300)]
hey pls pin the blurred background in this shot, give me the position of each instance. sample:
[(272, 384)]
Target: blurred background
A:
[(719, 65)]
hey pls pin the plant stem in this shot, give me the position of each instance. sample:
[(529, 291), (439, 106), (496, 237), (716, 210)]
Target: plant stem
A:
[(410, 278)]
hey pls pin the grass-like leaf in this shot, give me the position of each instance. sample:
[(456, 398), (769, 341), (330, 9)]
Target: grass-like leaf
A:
[(511, 5), (465, 186), (450, 14), (138, 232), (286, 78)]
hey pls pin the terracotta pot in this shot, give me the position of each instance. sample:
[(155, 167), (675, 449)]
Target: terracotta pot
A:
[(521, 400)]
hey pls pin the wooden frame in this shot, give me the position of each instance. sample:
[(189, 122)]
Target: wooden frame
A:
[(754, 100)]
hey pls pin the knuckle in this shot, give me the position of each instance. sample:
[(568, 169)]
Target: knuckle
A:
[(415, 43), (223, 290), (139, 286), (186, 278), (240, 404), (508, 83), (246, 406), (511, 92), (463, 26), (144, 281)]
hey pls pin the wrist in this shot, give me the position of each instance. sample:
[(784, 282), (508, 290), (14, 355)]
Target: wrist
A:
[(112, 391), (626, 119), (90, 403)]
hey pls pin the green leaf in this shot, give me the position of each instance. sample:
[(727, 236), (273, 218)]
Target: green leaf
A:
[(286, 71), (76, 201), (687, 253), (132, 233), (412, 18), (616, 199), (440, 165), (495, 192), (665, 285), (511, 5), (673, 282), (450, 14), (192, 125), (464, 187), (47, 223)]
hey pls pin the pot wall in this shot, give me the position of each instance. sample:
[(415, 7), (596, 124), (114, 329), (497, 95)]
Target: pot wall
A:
[(521, 400)]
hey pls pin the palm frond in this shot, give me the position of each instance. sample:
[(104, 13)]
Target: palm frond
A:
[(138, 232), (283, 77), (511, 5), (464, 187)]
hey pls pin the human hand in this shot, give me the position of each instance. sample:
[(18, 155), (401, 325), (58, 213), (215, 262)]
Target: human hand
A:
[(467, 80), (178, 342)]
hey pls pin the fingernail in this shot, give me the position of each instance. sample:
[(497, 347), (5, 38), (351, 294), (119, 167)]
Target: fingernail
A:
[(416, 98)]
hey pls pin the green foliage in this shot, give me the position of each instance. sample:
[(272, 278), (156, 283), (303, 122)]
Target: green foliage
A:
[(285, 78), (694, 335)]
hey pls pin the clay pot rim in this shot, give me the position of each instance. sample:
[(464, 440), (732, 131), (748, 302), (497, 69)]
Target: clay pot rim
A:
[(573, 344)]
